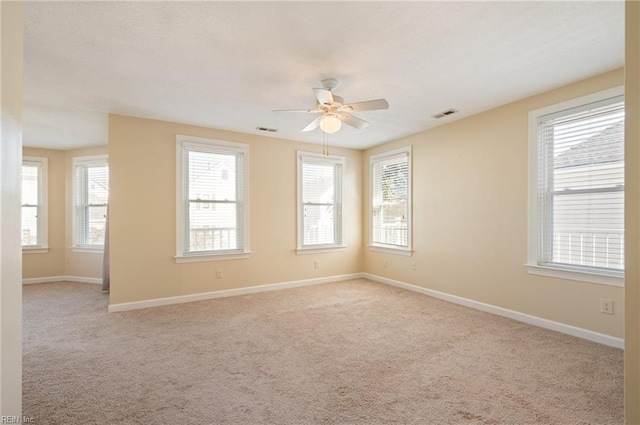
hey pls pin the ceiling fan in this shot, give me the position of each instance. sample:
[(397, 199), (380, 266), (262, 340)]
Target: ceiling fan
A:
[(334, 111)]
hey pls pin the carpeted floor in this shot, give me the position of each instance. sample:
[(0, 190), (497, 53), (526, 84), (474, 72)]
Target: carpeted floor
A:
[(353, 352)]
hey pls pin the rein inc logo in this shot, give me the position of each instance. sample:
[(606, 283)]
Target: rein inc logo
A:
[(16, 420)]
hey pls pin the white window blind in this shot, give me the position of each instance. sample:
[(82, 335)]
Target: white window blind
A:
[(211, 198), (91, 197), (320, 186), (391, 199), (34, 202), (581, 187)]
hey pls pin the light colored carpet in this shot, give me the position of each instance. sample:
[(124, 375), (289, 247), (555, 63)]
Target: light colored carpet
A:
[(353, 352)]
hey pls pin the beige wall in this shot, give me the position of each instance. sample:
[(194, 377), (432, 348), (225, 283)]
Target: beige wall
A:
[(470, 217), (11, 37), (142, 208), (632, 215), (61, 260), (51, 263)]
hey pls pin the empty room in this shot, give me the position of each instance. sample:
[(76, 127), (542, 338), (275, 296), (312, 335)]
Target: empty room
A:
[(320, 212)]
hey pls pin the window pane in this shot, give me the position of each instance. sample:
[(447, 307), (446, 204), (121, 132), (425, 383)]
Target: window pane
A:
[(96, 224), (320, 204), (30, 183), (91, 196), (318, 182), (588, 229), (319, 223), (29, 226), (212, 176), (390, 223), (98, 185), (212, 226), (391, 201)]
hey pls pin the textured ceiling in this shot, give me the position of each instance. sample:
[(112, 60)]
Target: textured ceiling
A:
[(229, 64)]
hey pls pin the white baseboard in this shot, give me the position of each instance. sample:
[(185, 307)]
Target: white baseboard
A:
[(156, 302), (97, 280), (511, 314)]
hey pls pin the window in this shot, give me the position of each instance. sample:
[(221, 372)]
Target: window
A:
[(211, 199), (320, 185), (391, 201), (34, 204), (576, 197), (90, 200)]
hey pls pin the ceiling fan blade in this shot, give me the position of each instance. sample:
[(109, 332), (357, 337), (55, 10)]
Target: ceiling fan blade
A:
[(324, 96), (368, 105), (308, 111), (313, 124), (353, 121)]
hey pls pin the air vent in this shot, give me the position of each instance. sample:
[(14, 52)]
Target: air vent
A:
[(444, 113), (270, 130)]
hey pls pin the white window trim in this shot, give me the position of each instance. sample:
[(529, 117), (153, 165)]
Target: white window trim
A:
[(392, 249), (43, 214), (313, 249), (183, 141), (83, 160), (562, 272)]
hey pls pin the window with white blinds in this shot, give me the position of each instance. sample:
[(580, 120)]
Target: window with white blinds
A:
[(320, 188), (211, 197), (391, 200), (90, 200), (579, 186), (34, 203)]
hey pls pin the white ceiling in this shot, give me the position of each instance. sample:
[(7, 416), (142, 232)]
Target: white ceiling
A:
[(227, 65)]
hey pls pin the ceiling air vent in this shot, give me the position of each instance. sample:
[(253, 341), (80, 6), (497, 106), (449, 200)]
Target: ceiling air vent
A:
[(444, 113), (270, 130)]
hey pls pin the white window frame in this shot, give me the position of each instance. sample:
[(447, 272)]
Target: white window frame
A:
[(183, 144), (84, 161), (612, 278), (334, 160), (376, 246), (42, 247)]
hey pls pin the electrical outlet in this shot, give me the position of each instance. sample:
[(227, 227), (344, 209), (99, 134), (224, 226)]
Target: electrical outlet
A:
[(606, 306), (413, 266), (384, 264), (219, 274), (316, 264)]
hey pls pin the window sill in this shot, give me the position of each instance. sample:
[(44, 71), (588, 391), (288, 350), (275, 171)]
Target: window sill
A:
[(87, 250), (36, 250), (197, 258), (321, 249), (603, 278), (391, 250)]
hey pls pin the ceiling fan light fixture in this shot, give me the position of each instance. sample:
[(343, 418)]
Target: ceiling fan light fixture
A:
[(330, 124)]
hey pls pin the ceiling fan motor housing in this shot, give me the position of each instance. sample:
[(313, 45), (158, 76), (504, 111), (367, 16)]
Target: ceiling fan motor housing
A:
[(330, 83)]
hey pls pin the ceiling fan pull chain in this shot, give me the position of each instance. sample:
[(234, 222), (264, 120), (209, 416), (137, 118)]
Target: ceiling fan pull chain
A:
[(325, 148)]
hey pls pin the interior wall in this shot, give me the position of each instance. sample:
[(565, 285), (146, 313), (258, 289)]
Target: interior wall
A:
[(632, 215), (51, 263), (11, 42), (143, 208), (470, 217)]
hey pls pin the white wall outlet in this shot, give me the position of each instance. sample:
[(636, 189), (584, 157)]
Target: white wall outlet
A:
[(384, 264), (316, 264), (606, 306), (413, 266), (219, 274)]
